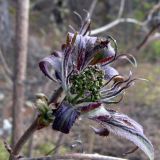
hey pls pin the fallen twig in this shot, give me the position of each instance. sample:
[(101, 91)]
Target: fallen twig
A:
[(76, 156)]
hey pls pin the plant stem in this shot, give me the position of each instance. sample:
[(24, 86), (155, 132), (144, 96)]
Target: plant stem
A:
[(55, 98), (27, 134)]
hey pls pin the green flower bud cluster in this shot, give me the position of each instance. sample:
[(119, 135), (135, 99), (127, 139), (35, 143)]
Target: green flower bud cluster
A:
[(88, 83), (46, 115)]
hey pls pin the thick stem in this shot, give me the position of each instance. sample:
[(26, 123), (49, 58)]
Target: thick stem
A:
[(30, 143), (27, 134), (55, 98)]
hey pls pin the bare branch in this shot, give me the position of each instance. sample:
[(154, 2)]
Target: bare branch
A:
[(121, 9), (30, 144), (128, 20), (76, 156), (146, 40), (28, 133), (147, 36), (5, 65), (152, 11), (58, 144), (152, 38), (6, 70), (56, 149), (114, 23), (8, 79), (92, 7)]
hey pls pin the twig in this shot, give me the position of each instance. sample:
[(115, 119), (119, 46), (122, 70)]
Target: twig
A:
[(7, 147), (154, 37), (58, 144), (76, 156), (57, 96), (92, 7), (55, 150), (141, 44), (27, 134), (5, 69), (124, 20), (121, 9), (115, 23), (152, 11), (8, 79), (147, 36), (30, 144), (5, 65)]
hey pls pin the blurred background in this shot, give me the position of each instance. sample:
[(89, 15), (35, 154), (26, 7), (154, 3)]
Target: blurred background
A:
[(135, 26)]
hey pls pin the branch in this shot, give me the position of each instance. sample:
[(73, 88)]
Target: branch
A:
[(123, 20), (114, 23), (8, 79), (56, 149), (76, 156), (152, 38), (121, 9), (92, 7), (58, 144), (152, 11), (32, 128), (6, 69), (147, 36)]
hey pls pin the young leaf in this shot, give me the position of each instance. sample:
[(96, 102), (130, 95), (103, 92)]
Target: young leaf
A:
[(125, 127), (55, 63)]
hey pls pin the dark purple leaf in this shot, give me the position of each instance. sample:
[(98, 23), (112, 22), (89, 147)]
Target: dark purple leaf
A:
[(109, 51), (54, 63), (101, 131), (123, 126), (65, 116), (130, 151), (131, 59), (89, 107), (83, 47), (110, 72), (57, 54), (104, 53), (85, 26)]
